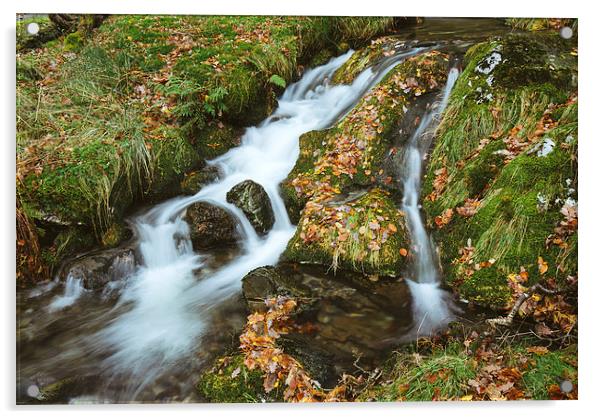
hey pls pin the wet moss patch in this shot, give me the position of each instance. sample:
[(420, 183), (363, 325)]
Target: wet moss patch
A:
[(230, 381), (365, 234)]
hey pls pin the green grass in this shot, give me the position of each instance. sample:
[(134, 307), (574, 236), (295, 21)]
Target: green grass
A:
[(508, 226), (444, 371), (549, 369)]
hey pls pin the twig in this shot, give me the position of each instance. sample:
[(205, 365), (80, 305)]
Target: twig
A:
[(507, 321)]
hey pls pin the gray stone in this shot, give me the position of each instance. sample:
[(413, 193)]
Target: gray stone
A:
[(255, 203)]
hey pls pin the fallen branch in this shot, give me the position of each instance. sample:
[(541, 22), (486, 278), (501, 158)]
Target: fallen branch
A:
[(507, 320)]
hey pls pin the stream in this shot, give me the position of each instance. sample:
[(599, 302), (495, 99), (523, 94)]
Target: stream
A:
[(147, 334)]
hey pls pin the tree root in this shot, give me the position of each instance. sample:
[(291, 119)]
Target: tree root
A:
[(507, 320)]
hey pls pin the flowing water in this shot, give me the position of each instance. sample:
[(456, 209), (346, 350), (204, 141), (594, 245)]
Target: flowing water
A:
[(148, 333), (164, 310), (432, 305)]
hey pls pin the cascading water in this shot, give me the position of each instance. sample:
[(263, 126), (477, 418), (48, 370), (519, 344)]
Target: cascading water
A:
[(432, 307), (164, 308)]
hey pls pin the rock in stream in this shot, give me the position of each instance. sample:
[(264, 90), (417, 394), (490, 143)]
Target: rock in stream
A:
[(254, 201)]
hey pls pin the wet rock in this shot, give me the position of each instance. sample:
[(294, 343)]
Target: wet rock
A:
[(350, 316), (253, 200), (195, 180), (99, 268), (210, 226)]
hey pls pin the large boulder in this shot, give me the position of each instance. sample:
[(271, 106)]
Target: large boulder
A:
[(210, 226), (342, 192), (502, 177), (255, 203)]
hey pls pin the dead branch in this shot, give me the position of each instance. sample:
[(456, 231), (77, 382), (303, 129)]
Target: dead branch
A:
[(507, 320)]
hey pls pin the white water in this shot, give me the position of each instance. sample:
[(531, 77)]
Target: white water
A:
[(432, 307), (74, 288), (168, 307)]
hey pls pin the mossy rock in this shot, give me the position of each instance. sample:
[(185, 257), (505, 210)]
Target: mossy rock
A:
[(195, 180), (214, 140), (362, 59), (364, 234), (230, 381), (74, 41)]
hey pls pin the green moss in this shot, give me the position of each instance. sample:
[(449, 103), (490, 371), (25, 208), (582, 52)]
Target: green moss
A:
[(114, 235), (230, 381), (518, 208), (486, 287), (74, 41), (71, 241), (362, 59), (214, 141), (352, 246)]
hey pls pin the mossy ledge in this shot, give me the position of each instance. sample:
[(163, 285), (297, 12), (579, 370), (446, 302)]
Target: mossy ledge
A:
[(515, 98), (338, 189), (230, 381)]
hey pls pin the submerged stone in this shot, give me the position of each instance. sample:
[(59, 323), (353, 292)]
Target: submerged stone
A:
[(348, 312), (97, 269)]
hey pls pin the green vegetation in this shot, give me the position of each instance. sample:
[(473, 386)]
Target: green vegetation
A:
[(230, 381), (540, 24), (449, 370), (515, 97)]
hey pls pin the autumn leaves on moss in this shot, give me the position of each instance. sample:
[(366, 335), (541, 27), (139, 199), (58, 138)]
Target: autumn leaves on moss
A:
[(504, 168), (348, 217)]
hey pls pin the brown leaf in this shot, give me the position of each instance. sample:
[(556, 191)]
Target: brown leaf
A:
[(537, 350)]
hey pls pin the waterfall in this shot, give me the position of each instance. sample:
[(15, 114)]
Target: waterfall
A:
[(432, 308), (167, 306)]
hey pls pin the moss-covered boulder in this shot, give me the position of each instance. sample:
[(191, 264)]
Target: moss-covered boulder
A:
[(503, 173), (338, 189), (367, 234), (210, 226), (255, 203), (364, 58)]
